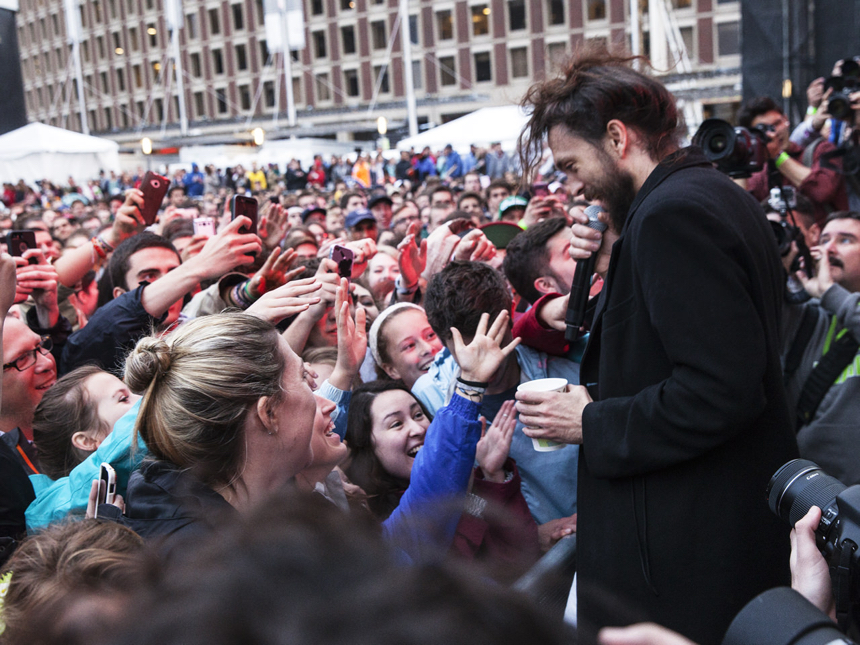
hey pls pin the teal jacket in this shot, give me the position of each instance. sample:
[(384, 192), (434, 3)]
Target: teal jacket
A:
[(68, 495)]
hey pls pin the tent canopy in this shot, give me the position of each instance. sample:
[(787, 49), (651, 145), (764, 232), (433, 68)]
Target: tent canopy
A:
[(482, 127), (39, 151)]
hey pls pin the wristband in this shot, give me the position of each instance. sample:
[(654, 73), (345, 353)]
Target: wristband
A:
[(99, 247), (473, 384), (247, 292), (107, 245), (781, 159), (240, 298), (398, 284), (469, 393), (811, 111)]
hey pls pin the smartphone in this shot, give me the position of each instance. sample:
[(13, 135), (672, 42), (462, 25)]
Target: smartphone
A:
[(540, 189), (107, 485), (344, 257), (247, 206), (19, 241), (154, 188), (204, 226)]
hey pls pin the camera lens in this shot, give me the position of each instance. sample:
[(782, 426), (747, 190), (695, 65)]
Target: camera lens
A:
[(798, 486), (717, 143), (839, 107)]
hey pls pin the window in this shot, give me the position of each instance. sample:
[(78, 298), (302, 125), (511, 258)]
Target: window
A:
[(214, 22), (245, 97), (681, 4), (196, 68), (555, 12), (221, 98), (115, 38), (100, 41), (120, 80), (241, 57), (218, 61), (55, 23), (596, 9), (447, 70), (264, 51), (319, 44), (413, 29), (123, 111), (85, 48), (480, 20), (108, 119), (316, 7), (350, 80), (44, 28), (483, 67), (322, 87), (92, 119), (516, 15), (153, 34), (347, 4), (383, 84), (687, 37), (132, 38), (728, 39), (347, 34), (137, 72), (83, 21), (199, 104), (97, 12), (417, 79), (150, 5), (103, 77), (377, 34), (112, 7), (191, 26), (556, 53), (47, 60), (158, 105), (58, 54), (445, 24), (140, 109), (297, 90), (269, 94), (519, 62), (130, 6), (238, 17), (261, 13), (156, 68)]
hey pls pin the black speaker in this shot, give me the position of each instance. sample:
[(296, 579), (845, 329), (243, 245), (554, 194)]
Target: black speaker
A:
[(13, 109)]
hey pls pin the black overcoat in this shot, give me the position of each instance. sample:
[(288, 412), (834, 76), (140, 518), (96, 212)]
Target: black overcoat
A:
[(690, 419)]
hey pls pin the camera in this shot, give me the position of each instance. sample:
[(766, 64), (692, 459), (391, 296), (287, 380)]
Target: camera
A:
[(801, 484), (736, 151), (839, 103)]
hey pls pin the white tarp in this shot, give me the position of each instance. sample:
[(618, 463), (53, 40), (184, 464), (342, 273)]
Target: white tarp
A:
[(482, 127), (39, 151)]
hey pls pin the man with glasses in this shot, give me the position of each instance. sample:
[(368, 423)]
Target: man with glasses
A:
[(403, 217)]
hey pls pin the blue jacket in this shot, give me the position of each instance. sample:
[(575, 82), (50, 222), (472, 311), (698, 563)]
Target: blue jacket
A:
[(69, 495), (430, 509), (549, 478)]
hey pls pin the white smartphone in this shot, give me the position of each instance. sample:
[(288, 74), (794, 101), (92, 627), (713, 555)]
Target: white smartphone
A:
[(204, 226), (107, 485)]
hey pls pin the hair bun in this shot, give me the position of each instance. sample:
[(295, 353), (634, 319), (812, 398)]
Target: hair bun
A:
[(150, 358)]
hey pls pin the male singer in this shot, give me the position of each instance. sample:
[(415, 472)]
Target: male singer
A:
[(684, 417)]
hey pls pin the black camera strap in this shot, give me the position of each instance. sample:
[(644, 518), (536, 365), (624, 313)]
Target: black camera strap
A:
[(801, 340), (842, 351), (841, 580)]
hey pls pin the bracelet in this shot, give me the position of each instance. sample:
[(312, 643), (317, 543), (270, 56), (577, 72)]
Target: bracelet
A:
[(251, 298), (105, 244), (811, 111), (239, 296), (473, 384), (781, 159), (99, 248), (398, 284), (473, 395)]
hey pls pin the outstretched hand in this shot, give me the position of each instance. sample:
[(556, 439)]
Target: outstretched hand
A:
[(287, 300), (274, 272), (351, 339), (484, 355), (273, 225), (412, 257), (495, 443)]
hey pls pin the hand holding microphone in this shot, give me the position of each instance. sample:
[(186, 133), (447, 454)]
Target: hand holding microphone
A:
[(581, 285)]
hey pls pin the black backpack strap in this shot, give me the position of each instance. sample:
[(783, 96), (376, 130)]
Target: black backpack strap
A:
[(841, 353), (801, 340)]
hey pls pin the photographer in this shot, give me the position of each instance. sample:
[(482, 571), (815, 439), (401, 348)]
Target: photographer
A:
[(820, 351), (790, 164)]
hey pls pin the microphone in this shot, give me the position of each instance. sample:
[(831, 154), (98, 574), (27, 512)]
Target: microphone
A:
[(581, 284)]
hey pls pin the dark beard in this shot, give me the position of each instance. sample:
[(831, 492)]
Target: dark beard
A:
[(615, 190)]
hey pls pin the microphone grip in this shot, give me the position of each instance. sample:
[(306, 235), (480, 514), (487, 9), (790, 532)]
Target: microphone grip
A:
[(578, 302)]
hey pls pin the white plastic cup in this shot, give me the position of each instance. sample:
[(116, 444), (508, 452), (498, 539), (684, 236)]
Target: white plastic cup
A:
[(545, 385)]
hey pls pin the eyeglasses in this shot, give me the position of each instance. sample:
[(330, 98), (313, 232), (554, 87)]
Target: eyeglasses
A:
[(26, 361)]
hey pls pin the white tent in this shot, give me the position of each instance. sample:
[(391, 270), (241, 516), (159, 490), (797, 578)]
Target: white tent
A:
[(482, 127), (39, 151)]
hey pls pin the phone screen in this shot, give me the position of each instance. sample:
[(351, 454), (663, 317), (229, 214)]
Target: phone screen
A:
[(247, 206)]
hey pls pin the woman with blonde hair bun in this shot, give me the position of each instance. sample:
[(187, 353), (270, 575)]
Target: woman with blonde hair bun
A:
[(227, 417)]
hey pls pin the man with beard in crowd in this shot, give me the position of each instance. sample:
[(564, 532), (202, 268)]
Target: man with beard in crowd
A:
[(683, 417)]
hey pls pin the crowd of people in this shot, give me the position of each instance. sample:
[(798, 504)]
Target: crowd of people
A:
[(306, 449)]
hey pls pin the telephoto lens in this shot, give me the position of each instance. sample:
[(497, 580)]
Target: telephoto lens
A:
[(798, 486)]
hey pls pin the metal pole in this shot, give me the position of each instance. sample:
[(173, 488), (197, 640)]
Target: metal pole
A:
[(180, 84), (635, 45), (406, 45), (79, 81), (288, 71), (786, 71)]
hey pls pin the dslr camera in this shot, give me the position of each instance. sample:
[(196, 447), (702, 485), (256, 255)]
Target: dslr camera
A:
[(839, 104), (736, 151), (798, 486)]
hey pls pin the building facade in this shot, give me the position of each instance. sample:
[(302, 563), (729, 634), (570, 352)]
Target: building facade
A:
[(466, 54)]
